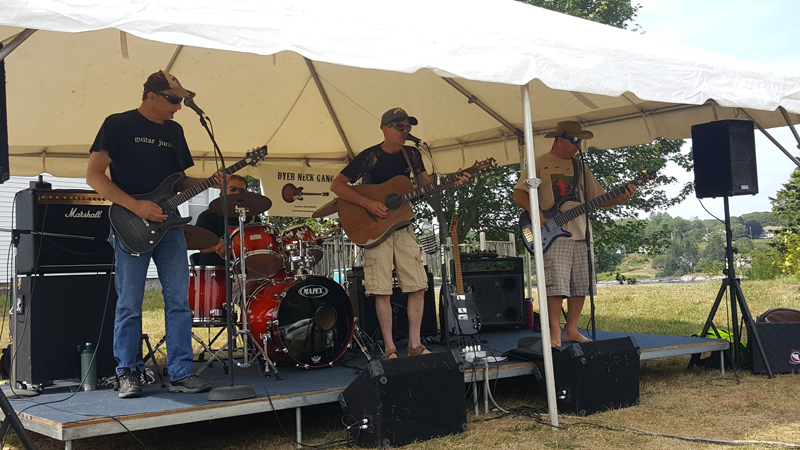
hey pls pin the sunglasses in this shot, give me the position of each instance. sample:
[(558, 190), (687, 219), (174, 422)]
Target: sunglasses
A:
[(401, 128), (574, 140), (170, 98), (235, 189)]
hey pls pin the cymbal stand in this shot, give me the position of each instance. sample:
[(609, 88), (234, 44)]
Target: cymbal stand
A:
[(358, 338), (248, 339)]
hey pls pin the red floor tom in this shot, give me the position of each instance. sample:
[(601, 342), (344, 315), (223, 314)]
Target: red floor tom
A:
[(207, 295)]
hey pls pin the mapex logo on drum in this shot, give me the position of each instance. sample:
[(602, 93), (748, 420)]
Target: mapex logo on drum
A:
[(313, 291)]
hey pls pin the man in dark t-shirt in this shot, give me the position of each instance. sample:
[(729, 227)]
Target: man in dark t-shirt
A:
[(143, 147), (399, 251), (215, 256)]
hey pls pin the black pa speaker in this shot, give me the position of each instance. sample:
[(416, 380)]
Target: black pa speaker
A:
[(781, 342), (402, 400), (498, 289), (364, 308), (596, 376), (724, 159), (52, 316)]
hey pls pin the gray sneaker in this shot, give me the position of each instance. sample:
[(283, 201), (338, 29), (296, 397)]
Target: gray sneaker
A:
[(130, 384), (189, 385)]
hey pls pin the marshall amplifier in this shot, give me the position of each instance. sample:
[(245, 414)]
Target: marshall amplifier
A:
[(79, 227)]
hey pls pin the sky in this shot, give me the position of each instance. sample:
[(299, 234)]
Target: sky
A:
[(761, 31)]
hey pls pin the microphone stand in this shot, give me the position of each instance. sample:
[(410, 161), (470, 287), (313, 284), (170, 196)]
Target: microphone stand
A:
[(231, 392), (589, 245)]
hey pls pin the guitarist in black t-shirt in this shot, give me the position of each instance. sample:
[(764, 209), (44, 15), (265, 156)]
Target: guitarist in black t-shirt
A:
[(142, 148)]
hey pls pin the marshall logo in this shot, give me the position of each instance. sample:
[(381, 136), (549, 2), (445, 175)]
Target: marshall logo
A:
[(313, 291), (75, 214)]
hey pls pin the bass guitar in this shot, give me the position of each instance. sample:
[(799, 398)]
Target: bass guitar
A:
[(141, 235), (367, 230), (555, 218), (462, 316), (290, 193)]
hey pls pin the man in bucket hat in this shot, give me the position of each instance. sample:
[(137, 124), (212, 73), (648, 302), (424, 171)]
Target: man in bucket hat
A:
[(566, 261), (143, 147)]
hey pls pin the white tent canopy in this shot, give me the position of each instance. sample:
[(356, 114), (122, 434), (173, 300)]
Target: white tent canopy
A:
[(289, 73)]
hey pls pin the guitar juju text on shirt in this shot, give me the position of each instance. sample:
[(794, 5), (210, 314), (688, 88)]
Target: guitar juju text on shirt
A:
[(143, 153), (557, 182)]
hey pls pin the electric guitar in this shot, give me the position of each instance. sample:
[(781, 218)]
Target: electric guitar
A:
[(462, 316), (367, 230), (141, 235), (555, 218), (290, 193)]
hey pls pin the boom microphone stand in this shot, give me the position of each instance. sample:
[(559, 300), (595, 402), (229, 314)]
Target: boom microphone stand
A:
[(231, 392), (589, 243)]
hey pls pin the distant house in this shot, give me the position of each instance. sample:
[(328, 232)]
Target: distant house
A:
[(771, 230)]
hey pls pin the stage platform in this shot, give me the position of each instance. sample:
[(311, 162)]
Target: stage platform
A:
[(66, 416)]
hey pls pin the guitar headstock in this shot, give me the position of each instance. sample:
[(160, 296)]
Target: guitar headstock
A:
[(642, 177), (454, 224), (481, 166), (254, 156)]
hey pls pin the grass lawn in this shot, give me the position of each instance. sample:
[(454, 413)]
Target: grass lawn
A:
[(675, 402)]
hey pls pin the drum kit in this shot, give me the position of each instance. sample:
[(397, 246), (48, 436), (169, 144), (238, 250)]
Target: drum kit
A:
[(290, 316)]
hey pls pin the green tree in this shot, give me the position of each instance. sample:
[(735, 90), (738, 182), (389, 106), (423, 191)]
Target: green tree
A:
[(786, 203), (715, 250), (617, 13)]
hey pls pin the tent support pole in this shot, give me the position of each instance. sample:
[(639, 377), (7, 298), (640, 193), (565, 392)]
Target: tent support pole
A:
[(769, 136), (15, 41), (473, 99), (538, 255), (790, 124), (172, 59), (328, 105)]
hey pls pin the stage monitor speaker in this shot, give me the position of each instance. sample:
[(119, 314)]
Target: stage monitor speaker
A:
[(404, 400), (781, 342), (724, 159), (364, 308), (499, 290), (4, 164), (52, 316), (596, 376)]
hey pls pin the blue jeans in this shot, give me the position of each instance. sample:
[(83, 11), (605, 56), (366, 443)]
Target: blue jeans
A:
[(130, 276)]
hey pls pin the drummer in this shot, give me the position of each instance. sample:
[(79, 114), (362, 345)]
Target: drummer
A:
[(215, 256)]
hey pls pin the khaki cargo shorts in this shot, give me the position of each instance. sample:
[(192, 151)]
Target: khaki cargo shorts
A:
[(566, 270), (401, 253)]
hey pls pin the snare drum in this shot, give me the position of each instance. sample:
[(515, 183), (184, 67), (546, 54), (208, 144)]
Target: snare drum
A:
[(207, 295), (295, 237), (262, 251), (310, 321)]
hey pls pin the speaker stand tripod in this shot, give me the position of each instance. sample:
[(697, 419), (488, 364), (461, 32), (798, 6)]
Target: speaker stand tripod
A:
[(731, 283)]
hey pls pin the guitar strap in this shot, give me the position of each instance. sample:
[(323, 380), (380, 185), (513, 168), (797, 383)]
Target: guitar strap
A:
[(408, 161), (577, 170)]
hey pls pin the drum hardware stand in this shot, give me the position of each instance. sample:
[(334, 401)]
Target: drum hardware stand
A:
[(359, 339), (230, 392)]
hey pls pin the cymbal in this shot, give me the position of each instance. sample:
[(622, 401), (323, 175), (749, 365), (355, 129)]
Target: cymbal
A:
[(255, 204), (327, 209), (198, 238)]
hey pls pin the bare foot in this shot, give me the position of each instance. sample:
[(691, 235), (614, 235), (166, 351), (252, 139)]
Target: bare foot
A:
[(575, 337), (555, 344)]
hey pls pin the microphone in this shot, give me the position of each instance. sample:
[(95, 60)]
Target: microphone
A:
[(414, 139), (191, 104)]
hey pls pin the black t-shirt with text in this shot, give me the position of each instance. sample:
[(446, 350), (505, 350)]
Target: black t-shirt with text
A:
[(143, 153)]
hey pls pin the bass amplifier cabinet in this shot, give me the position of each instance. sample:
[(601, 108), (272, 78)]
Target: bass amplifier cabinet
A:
[(364, 308), (498, 288), (724, 154), (80, 216), (55, 314)]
